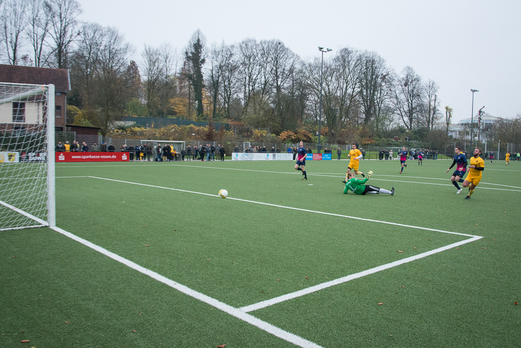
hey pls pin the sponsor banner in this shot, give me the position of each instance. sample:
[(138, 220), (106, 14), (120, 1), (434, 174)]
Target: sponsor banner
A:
[(255, 156), (317, 157), (327, 156), (309, 157), (91, 157), (9, 157)]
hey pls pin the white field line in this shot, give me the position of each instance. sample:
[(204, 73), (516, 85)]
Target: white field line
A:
[(241, 313), (30, 216), (287, 207), (332, 175), (322, 286), (237, 313)]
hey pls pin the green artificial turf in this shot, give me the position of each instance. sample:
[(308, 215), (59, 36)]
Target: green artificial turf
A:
[(274, 235)]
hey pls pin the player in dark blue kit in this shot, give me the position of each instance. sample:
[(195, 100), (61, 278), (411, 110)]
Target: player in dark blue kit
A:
[(301, 160), (403, 158), (460, 160)]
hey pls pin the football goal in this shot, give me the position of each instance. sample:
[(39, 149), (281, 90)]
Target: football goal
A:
[(27, 174)]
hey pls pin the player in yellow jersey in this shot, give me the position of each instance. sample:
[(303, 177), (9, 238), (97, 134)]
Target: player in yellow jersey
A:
[(507, 158), (354, 161), (476, 167)]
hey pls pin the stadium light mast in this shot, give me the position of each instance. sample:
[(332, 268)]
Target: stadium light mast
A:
[(323, 50), (472, 117)]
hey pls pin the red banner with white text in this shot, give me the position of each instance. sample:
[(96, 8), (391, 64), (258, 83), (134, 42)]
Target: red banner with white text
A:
[(91, 157)]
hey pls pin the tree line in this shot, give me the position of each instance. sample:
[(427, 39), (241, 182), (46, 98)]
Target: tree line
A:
[(259, 84)]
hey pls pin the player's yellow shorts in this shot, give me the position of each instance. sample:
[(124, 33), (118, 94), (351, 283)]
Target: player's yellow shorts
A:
[(354, 165), (473, 179)]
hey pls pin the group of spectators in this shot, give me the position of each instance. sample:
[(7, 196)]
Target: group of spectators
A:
[(260, 149), (76, 147), (385, 154), (147, 152), (193, 152)]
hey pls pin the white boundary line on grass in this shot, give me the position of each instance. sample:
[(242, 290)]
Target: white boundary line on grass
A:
[(286, 207), (318, 287), (242, 313), (237, 313)]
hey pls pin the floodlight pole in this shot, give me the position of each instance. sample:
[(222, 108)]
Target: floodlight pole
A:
[(323, 50), (472, 118)]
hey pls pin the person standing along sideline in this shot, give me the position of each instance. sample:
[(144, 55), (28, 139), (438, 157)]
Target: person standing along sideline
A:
[(149, 151), (221, 151), (195, 152), (354, 161), (339, 153), (460, 160), (201, 152), (477, 165), (301, 160), (403, 158), (159, 153), (391, 154), (188, 153)]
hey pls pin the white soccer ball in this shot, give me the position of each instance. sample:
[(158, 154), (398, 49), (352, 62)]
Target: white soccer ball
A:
[(223, 193)]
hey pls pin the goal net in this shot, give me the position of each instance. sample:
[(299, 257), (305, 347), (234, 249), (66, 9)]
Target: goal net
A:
[(26, 156)]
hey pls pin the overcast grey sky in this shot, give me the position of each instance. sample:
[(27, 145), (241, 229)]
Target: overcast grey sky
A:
[(460, 44)]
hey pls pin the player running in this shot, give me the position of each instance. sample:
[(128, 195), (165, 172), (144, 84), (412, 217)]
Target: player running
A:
[(420, 158), (507, 158), (354, 161), (477, 165), (301, 160), (460, 160), (359, 188), (403, 158)]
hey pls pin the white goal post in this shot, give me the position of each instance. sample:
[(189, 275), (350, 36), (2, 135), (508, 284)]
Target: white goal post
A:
[(27, 172)]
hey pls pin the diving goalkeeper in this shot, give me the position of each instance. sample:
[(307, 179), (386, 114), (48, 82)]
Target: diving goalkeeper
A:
[(358, 186)]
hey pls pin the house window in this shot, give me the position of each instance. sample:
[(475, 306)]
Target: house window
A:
[(18, 112), (58, 112)]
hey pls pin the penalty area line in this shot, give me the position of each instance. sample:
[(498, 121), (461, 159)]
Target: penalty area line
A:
[(235, 312), (318, 287)]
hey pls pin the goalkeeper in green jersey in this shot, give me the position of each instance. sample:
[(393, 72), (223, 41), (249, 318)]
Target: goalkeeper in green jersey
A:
[(358, 186)]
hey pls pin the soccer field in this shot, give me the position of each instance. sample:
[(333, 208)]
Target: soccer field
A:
[(148, 255)]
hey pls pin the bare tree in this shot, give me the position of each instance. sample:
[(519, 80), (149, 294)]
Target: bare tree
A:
[(218, 59), (250, 72), (38, 30), (341, 91), (407, 97), (159, 78), (113, 80), (85, 65), (14, 21), (102, 74), (431, 113), (372, 75), (230, 89), (448, 117), (63, 18), (282, 64)]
